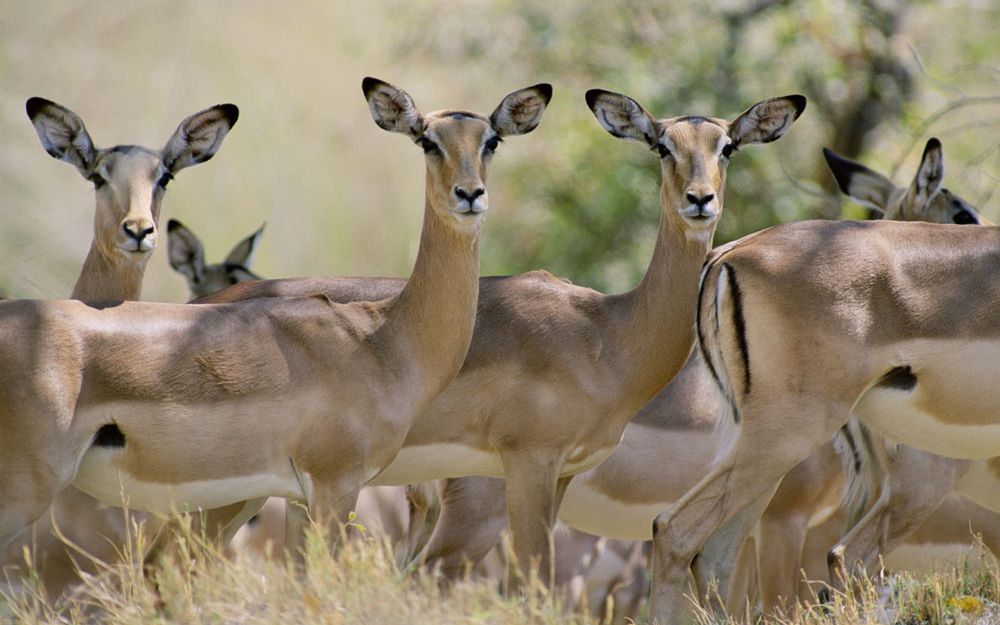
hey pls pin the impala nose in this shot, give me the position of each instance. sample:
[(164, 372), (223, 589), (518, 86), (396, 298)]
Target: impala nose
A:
[(469, 196), (139, 234), (699, 201)]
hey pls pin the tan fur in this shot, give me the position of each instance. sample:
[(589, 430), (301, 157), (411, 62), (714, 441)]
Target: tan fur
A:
[(556, 370), (853, 301), (129, 199), (324, 403)]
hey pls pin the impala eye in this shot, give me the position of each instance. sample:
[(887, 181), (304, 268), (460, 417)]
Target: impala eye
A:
[(727, 150), (427, 145), (663, 150), (97, 179), (165, 179), (492, 144)]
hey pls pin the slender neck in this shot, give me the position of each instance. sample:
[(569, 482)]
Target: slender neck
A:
[(432, 319), (655, 320), (105, 278)]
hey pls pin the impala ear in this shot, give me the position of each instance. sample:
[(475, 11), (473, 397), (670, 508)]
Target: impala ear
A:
[(62, 134), (930, 174), (199, 137), (392, 108), (623, 117), (242, 254), (186, 253), (861, 184), (767, 120), (521, 111)]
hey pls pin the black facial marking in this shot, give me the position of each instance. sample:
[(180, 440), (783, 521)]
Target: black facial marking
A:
[(901, 378), (964, 217), (109, 436)]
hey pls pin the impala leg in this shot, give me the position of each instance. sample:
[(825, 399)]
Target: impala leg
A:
[(916, 485), (714, 567), (473, 517), (779, 560), (531, 511), (768, 446)]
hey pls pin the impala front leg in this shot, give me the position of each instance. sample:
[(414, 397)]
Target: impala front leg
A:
[(532, 484)]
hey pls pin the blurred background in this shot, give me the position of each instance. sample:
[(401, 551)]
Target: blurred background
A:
[(342, 197)]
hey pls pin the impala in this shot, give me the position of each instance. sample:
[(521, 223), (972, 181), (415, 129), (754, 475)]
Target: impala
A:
[(555, 370), (668, 446), (129, 184), (187, 257), (912, 482), (804, 323), (210, 406)]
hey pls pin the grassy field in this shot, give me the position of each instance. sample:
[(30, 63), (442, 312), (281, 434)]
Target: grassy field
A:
[(360, 583)]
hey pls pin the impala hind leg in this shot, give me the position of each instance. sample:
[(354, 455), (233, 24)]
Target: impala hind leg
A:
[(714, 567), (472, 519), (760, 456), (916, 484)]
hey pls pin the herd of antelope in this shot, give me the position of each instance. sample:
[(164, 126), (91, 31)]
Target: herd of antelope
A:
[(740, 406)]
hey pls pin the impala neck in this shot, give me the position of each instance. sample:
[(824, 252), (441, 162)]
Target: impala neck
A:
[(113, 278), (433, 317), (656, 320)]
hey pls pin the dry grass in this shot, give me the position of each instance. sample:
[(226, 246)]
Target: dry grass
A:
[(361, 584)]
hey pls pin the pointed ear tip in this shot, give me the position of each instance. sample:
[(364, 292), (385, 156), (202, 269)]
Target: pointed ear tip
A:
[(545, 89), (173, 224), (592, 95), (34, 105), (933, 144), (369, 84), (231, 112), (799, 102)]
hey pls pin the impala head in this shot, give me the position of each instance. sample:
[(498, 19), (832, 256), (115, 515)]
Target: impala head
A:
[(187, 257), (924, 200), (694, 151), (128, 180), (458, 145)]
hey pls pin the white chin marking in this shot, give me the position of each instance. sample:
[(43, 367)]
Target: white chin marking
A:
[(100, 478)]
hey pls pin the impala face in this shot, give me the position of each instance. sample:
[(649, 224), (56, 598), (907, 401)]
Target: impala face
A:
[(458, 148), (129, 182), (923, 200), (458, 145), (694, 151)]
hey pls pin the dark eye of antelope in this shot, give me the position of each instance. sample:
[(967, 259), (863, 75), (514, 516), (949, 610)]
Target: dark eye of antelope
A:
[(727, 150), (97, 179), (663, 150), (492, 144), (165, 179), (427, 145)]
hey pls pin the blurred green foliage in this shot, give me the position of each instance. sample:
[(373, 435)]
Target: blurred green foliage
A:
[(342, 197), (867, 68)]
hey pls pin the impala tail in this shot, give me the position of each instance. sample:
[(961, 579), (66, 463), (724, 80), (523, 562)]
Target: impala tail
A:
[(866, 462)]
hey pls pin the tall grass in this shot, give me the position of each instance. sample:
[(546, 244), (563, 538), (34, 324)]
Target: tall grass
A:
[(358, 582)]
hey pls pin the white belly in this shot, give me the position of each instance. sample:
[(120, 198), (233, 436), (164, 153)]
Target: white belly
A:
[(100, 478), (892, 413), (420, 463), (980, 485), (590, 511)]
